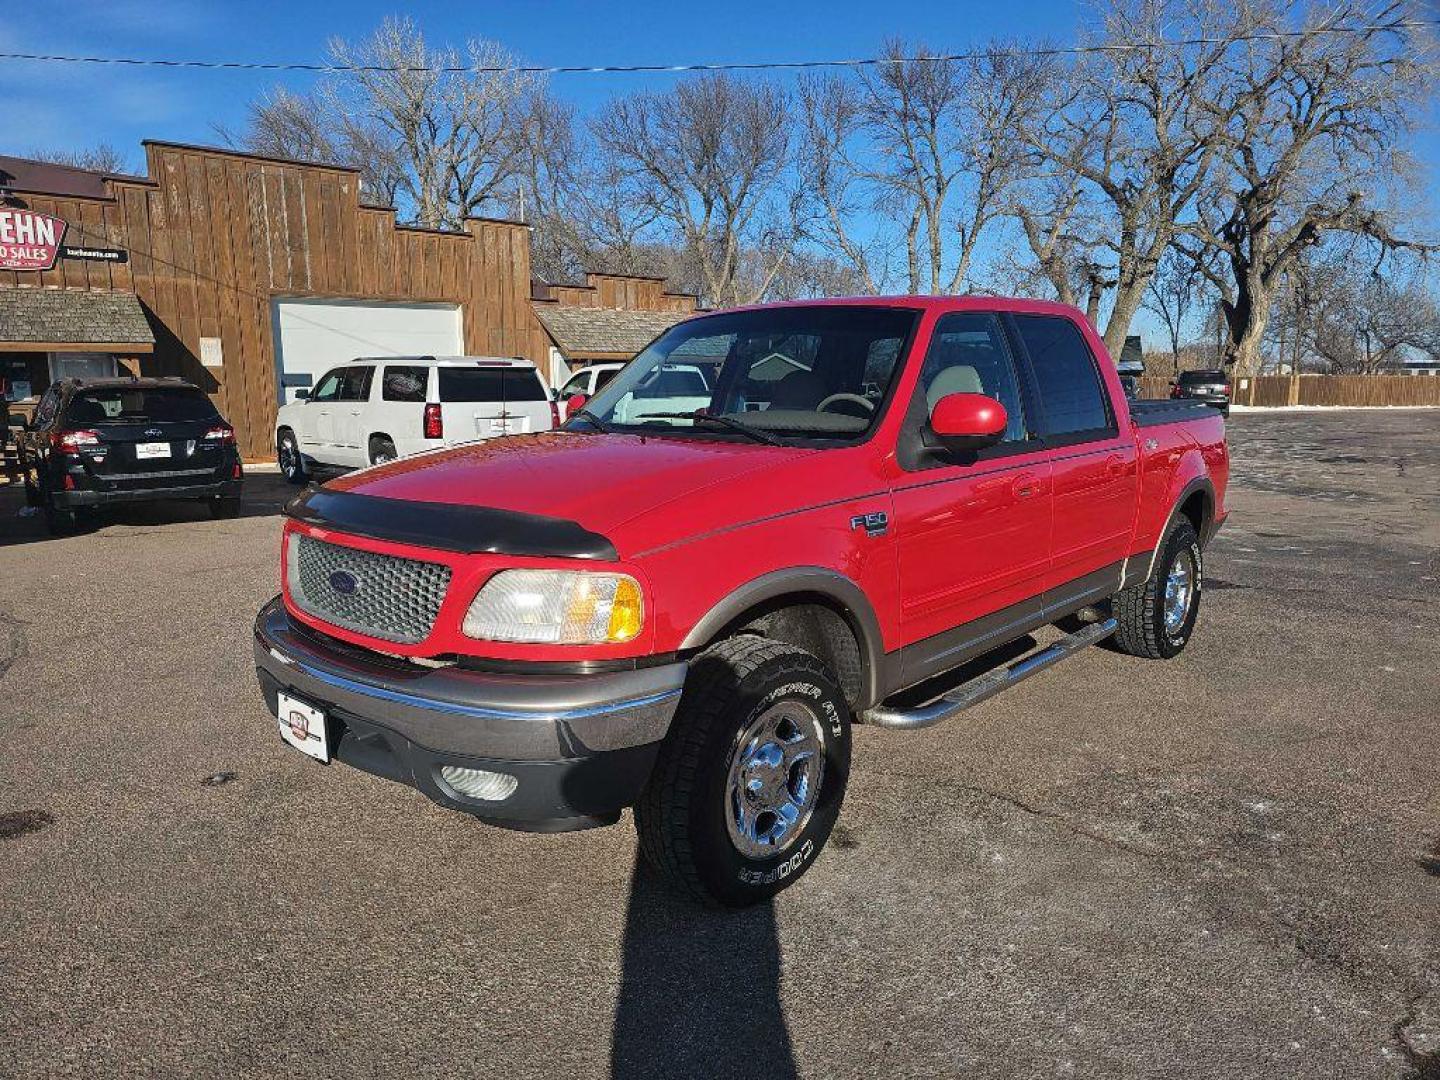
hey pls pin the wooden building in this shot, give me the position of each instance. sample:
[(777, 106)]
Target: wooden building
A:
[(250, 276)]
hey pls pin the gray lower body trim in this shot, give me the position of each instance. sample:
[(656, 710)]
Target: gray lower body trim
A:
[(454, 711), (948, 650)]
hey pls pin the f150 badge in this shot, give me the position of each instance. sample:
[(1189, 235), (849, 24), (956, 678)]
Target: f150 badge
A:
[(874, 523)]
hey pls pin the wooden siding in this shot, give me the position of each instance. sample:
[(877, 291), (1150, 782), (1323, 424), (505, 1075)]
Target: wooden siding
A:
[(1339, 390), (627, 293), (215, 237)]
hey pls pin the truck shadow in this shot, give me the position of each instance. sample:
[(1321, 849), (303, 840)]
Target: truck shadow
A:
[(699, 990)]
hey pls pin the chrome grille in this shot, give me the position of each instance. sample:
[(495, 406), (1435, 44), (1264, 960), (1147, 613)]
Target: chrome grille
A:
[(380, 595)]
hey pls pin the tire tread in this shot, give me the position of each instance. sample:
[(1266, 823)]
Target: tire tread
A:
[(662, 812)]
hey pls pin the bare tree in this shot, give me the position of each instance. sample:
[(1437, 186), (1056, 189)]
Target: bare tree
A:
[(1317, 122), (1173, 294), (1142, 128), (443, 144), (1355, 321), (925, 145), (706, 161), (1063, 233), (101, 158)]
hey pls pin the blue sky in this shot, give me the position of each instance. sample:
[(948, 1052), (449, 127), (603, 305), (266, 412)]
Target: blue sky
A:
[(70, 107)]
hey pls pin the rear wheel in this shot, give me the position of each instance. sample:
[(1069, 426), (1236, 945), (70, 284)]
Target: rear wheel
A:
[(61, 520), (1157, 616), (382, 449), (749, 782), (287, 452)]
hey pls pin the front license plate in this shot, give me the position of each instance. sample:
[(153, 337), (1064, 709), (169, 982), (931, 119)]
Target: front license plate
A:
[(145, 450), (303, 727)]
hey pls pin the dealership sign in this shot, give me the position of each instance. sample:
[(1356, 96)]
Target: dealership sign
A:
[(29, 241)]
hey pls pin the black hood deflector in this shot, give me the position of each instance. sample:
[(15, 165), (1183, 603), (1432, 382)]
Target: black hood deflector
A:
[(469, 530)]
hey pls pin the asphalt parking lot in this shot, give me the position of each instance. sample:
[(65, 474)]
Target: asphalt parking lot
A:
[(1223, 866)]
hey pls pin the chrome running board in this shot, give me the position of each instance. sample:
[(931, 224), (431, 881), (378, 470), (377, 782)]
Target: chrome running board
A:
[(989, 684)]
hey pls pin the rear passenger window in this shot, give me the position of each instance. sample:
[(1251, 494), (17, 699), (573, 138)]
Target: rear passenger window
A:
[(1072, 398), (404, 383), (355, 383), (967, 355)]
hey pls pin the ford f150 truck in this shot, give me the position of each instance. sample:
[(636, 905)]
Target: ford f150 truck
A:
[(683, 610)]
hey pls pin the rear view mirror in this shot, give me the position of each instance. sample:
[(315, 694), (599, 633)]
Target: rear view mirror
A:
[(301, 395), (967, 422)]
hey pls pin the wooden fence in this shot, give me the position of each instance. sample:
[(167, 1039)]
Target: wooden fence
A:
[(1270, 390)]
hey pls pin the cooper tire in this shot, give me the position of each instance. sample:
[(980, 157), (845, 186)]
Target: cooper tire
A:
[(684, 817), (1141, 610), (287, 453)]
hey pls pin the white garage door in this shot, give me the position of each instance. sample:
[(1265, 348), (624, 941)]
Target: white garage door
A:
[(312, 336)]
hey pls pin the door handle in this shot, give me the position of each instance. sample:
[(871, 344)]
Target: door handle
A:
[(1115, 465), (1026, 486)]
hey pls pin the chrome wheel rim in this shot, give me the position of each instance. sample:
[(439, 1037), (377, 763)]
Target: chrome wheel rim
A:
[(1180, 586), (287, 457), (383, 457), (774, 780)]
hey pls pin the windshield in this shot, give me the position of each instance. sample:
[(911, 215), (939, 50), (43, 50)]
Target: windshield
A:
[(128, 405), (787, 373)]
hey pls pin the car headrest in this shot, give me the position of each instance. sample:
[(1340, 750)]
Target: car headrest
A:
[(956, 379)]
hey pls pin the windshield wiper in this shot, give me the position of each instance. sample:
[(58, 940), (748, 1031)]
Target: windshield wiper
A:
[(586, 414), (724, 421)]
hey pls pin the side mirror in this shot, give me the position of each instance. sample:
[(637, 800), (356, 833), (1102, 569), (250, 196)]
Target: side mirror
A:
[(301, 395), (965, 422), (574, 403)]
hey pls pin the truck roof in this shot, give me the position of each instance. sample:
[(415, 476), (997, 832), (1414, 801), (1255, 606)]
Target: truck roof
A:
[(448, 361)]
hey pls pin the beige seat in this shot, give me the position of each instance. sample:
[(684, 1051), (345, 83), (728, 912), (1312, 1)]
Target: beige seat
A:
[(956, 379)]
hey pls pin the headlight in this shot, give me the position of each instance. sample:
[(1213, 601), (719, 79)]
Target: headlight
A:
[(563, 607)]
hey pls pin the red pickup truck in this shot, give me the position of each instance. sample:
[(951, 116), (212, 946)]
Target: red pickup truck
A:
[(774, 523)]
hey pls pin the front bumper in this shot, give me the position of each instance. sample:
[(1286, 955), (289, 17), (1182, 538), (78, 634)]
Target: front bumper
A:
[(581, 746), (93, 497)]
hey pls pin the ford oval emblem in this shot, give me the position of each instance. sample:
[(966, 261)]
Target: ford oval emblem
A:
[(344, 582)]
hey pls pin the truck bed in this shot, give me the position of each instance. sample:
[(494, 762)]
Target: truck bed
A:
[(1152, 413)]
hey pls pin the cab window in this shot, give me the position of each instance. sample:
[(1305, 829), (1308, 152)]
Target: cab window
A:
[(968, 355), (329, 386), (1072, 399)]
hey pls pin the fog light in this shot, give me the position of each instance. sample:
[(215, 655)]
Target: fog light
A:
[(478, 783)]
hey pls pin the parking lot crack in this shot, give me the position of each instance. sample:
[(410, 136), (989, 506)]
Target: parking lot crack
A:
[(13, 643), (1417, 1033)]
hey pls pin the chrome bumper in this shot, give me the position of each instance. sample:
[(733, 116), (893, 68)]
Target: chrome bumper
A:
[(453, 710)]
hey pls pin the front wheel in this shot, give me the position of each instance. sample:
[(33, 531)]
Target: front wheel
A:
[(287, 452), (749, 782), (1157, 616)]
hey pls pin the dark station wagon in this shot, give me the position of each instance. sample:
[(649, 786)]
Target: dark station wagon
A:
[(97, 442)]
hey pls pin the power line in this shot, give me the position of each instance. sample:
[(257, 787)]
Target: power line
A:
[(758, 65)]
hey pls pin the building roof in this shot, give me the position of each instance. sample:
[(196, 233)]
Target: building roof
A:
[(72, 317), (610, 331), (44, 177)]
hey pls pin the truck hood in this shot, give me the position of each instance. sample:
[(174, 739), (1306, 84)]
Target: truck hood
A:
[(597, 480)]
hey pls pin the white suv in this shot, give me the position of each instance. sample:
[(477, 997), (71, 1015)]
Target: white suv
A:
[(586, 382), (376, 409)]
